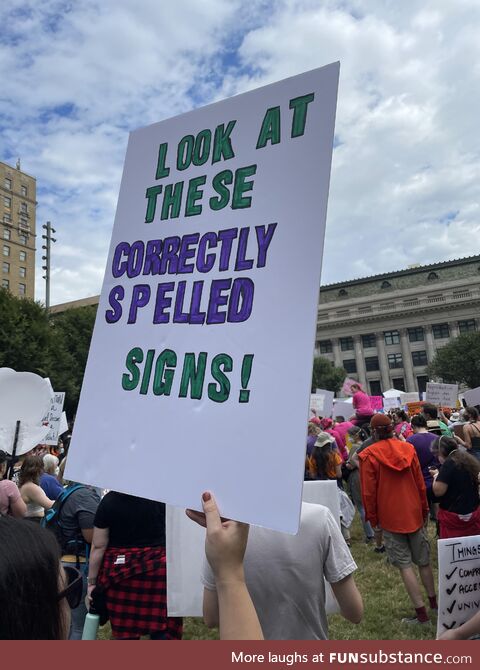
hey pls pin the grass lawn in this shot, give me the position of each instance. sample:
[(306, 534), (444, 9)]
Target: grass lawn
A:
[(384, 597)]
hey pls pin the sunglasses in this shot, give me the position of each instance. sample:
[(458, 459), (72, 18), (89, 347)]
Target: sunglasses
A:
[(74, 588)]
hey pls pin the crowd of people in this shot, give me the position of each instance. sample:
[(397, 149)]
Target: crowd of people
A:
[(66, 548), (401, 472)]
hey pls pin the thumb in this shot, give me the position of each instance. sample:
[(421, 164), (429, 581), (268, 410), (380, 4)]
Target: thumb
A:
[(212, 515)]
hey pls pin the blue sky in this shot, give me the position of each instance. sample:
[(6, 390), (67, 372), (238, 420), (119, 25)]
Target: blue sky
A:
[(77, 77)]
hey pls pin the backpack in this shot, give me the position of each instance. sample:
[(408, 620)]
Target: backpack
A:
[(51, 520)]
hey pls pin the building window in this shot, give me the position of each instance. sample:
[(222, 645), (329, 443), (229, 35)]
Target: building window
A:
[(386, 284), (346, 343), (419, 357), (416, 334), (391, 337), (6, 234), (23, 255), (325, 346), (395, 361), (369, 340), (6, 250), (22, 272), (5, 283), (22, 289), (8, 183), (7, 201), (24, 208), (432, 276), (467, 326), (375, 387), (6, 267), (441, 331), (371, 363), (22, 239), (422, 383), (399, 384), (24, 191), (350, 365), (7, 218)]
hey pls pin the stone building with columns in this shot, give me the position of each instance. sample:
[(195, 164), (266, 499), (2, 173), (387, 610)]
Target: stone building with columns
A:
[(385, 329)]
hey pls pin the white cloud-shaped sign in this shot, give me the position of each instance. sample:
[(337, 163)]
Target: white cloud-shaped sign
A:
[(24, 397)]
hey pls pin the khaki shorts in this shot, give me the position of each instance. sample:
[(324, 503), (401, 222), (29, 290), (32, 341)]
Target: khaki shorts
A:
[(403, 549)]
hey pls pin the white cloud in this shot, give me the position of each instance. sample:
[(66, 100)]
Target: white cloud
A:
[(405, 181)]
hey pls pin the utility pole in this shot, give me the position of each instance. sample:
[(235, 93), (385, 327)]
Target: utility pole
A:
[(47, 246)]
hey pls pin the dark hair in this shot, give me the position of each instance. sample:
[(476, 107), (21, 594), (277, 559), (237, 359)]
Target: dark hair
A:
[(384, 432), (322, 456), (32, 468), (472, 413), (29, 582), (340, 419), (418, 421), (430, 410), (401, 414), (3, 457), (447, 447)]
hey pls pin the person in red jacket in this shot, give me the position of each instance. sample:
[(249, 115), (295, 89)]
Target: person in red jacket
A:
[(394, 498)]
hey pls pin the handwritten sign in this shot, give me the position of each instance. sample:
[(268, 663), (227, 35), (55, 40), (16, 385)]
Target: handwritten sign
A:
[(414, 407), (376, 402), (54, 418), (322, 402), (442, 394), (458, 581), (391, 403), (220, 212), (472, 397)]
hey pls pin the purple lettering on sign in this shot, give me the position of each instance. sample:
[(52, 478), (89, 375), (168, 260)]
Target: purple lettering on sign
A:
[(217, 300), (162, 302), (140, 298)]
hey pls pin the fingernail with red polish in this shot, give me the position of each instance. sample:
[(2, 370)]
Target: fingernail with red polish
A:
[(206, 496)]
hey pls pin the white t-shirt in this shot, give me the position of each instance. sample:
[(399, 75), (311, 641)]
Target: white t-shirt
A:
[(284, 574)]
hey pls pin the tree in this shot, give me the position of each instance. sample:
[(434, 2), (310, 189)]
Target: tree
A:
[(458, 362), (54, 346), (326, 376), (71, 335), (24, 335)]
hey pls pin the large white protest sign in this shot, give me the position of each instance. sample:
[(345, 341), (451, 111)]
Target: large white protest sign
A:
[(185, 548), (458, 581), (54, 417), (322, 402), (443, 395), (209, 304), (472, 397)]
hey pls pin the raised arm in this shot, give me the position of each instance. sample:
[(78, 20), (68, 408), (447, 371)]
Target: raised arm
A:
[(225, 545)]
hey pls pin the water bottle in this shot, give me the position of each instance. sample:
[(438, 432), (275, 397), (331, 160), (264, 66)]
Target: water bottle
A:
[(90, 627)]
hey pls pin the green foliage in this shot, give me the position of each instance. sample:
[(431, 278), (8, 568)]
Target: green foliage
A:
[(326, 376), (24, 335), (55, 346), (71, 332), (458, 362)]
